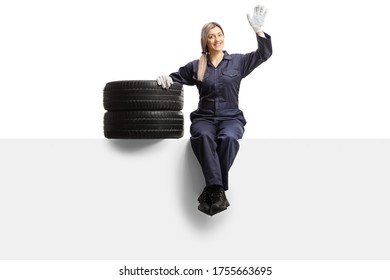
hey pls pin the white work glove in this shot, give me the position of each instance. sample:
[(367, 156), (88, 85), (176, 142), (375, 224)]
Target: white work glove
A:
[(258, 17), (165, 81)]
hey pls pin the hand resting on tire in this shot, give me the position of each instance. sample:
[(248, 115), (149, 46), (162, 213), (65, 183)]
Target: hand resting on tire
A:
[(165, 81)]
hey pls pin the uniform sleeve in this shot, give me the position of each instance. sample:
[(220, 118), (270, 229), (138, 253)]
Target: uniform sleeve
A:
[(251, 60), (185, 75)]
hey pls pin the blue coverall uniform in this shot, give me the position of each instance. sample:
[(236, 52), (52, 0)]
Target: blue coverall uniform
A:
[(218, 123)]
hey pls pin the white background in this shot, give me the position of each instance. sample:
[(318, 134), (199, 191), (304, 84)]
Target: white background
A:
[(326, 79)]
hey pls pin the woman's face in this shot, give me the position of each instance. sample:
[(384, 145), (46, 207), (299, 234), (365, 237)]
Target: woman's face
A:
[(215, 40)]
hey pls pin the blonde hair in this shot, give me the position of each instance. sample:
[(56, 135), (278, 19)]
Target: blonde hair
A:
[(203, 42)]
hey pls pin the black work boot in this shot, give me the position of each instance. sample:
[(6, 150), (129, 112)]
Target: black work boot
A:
[(204, 201), (219, 201)]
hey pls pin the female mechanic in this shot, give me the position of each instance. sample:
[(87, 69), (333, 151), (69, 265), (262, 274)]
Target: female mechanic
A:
[(218, 123)]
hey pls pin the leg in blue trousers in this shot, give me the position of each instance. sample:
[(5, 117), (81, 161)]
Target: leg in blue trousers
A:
[(215, 145), (227, 146)]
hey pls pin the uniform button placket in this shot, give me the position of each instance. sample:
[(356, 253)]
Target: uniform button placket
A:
[(215, 91)]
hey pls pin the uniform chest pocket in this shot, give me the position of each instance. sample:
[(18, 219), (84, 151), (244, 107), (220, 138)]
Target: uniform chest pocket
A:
[(230, 73)]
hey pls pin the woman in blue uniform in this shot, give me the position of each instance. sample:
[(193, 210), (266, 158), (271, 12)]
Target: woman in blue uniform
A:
[(218, 123)]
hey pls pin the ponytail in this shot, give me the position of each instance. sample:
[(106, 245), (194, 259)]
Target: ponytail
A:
[(202, 67)]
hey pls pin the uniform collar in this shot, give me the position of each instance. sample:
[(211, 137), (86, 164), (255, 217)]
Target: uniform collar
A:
[(227, 55)]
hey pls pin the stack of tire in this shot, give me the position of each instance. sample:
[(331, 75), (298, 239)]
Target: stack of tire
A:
[(141, 109)]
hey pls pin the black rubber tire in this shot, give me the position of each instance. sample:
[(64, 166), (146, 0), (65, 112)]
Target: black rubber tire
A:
[(143, 124), (142, 95)]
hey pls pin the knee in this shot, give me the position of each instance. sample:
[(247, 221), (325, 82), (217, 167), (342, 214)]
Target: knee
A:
[(198, 133), (231, 133), (203, 136), (228, 138)]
